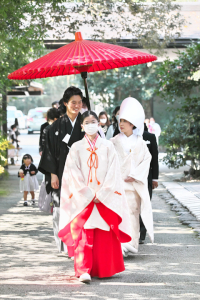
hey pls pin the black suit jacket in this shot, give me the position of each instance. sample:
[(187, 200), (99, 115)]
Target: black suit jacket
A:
[(153, 149), (41, 131)]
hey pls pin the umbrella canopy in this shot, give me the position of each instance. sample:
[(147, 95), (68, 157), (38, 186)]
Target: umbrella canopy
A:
[(81, 56)]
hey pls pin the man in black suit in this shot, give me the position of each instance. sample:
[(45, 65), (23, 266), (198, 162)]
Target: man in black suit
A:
[(153, 172)]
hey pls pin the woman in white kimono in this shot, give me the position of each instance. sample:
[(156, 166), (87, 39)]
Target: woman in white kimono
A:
[(94, 215), (134, 160)]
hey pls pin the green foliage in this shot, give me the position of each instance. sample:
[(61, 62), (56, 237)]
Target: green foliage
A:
[(145, 21), (23, 27), (4, 144), (25, 24), (177, 84)]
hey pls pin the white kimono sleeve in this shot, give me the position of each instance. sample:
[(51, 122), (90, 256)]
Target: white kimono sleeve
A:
[(111, 192), (73, 179), (141, 171)]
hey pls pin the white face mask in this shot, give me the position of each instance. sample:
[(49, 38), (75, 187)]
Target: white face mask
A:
[(83, 110), (91, 129), (152, 122), (103, 121)]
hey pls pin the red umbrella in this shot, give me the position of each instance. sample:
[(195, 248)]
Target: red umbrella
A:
[(81, 57)]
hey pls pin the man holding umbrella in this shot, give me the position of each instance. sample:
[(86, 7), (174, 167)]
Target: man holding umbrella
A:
[(60, 137)]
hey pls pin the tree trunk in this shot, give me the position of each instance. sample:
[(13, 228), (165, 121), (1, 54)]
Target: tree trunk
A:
[(4, 112), (4, 118), (148, 108)]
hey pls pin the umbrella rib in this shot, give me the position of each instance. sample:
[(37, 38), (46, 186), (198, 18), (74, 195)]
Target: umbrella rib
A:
[(86, 61), (70, 51), (130, 52), (51, 58), (94, 52), (91, 58), (41, 62), (72, 60), (120, 54), (65, 54), (94, 47), (58, 56)]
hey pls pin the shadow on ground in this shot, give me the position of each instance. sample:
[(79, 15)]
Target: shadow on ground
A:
[(31, 268)]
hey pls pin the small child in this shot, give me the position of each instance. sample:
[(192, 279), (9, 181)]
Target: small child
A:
[(28, 181)]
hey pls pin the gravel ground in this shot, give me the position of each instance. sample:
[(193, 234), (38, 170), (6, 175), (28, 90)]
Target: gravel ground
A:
[(31, 269)]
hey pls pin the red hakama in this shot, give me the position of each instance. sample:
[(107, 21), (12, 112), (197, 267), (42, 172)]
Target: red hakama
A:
[(96, 252)]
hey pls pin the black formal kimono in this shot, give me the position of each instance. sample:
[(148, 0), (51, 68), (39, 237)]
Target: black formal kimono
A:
[(47, 175), (43, 137), (153, 171), (154, 167), (53, 161), (56, 150), (41, 131)]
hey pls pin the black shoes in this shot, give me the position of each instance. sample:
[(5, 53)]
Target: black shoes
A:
[(32, 203), (141, 241)]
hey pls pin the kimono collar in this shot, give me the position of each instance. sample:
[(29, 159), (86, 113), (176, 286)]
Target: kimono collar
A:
[(27, 167), (128, 143), (73, 122), (92, 144)]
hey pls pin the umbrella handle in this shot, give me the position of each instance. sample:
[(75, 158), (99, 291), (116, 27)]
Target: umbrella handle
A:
[(84, 76)]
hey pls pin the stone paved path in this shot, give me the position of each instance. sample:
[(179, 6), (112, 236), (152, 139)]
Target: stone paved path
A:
[(30, 268), (188, 194)]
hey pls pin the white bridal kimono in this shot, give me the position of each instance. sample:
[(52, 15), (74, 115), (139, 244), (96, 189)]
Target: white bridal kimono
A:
[(80, 184), (135, 164)]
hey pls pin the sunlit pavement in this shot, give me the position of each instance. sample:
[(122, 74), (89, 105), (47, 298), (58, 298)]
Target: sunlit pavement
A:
[(31, 269)]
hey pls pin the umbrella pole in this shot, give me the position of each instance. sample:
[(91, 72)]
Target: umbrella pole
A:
[(84, 76)]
